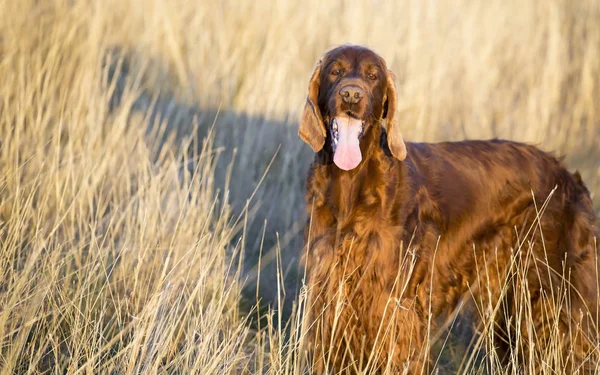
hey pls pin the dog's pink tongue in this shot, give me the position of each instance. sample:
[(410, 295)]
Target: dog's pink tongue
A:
[(347, 153)]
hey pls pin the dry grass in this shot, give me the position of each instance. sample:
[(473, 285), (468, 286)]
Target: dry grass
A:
[(126, 239)]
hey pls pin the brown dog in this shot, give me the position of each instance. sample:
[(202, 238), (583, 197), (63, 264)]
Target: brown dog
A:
[(400, 232)]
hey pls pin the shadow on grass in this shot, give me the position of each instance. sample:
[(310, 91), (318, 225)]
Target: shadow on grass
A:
[(268, 164)]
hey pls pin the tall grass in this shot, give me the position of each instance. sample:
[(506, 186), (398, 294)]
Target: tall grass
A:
[(128, 240)]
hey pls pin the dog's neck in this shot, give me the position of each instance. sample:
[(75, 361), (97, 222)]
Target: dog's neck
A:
[(343, 190)]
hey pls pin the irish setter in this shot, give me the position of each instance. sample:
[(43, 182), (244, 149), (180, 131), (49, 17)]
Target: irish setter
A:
[(401, 234)]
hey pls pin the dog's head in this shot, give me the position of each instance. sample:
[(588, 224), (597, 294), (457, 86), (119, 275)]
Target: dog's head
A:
[(350, 90)]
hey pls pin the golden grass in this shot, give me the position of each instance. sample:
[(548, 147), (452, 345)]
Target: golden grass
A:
[(125, 243)]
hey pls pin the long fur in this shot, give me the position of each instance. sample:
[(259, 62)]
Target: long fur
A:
[(393, 245)]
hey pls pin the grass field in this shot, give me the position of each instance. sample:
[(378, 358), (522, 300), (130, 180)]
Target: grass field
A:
[(151, 179)]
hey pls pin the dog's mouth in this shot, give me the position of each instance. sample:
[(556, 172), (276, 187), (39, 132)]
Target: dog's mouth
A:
[(351, 115), (346, 132)]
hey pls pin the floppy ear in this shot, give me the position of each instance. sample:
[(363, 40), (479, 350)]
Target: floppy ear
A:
[(311, 128), (394, 136)]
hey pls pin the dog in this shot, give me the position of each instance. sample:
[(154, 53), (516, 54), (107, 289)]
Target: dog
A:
[(400, 233)]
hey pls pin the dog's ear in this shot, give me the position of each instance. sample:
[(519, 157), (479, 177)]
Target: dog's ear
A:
[(394, 136), (312, 130)]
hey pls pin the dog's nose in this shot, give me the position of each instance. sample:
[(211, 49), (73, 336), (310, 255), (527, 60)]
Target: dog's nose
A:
[(352, 94)]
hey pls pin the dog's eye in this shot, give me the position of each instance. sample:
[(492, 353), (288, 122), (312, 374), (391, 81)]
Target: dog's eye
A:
[(336, 72), (372, 76)]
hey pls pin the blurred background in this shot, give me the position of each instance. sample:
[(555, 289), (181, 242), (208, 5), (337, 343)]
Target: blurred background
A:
[(125, 229)]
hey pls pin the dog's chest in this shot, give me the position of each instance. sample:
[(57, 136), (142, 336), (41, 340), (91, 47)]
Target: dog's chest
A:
[(344, 194), (350, 196)]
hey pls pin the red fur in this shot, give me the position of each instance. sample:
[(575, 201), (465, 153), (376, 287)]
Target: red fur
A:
[(393, 243)]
